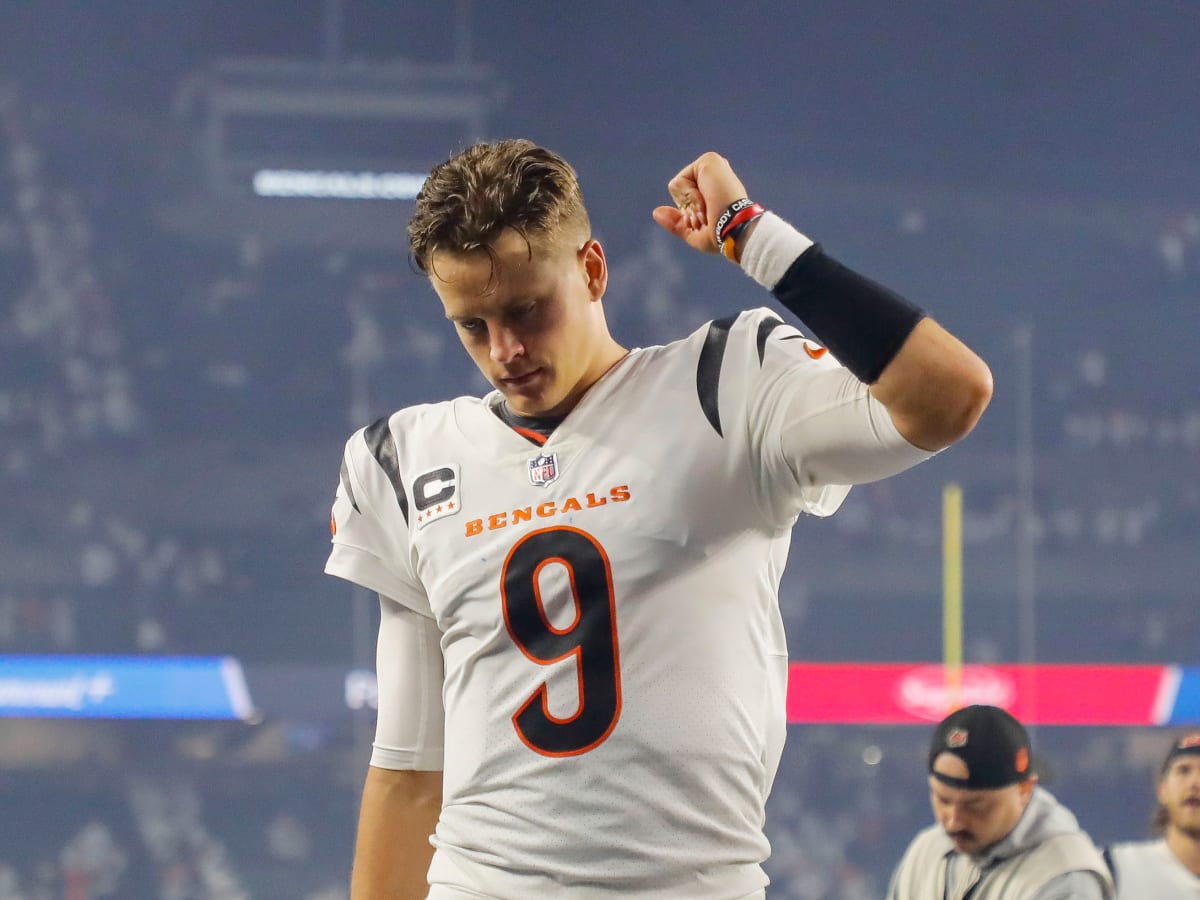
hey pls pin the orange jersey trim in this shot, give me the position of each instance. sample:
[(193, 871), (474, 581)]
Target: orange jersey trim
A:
[(536, 436)]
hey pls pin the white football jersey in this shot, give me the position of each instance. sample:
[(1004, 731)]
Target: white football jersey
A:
[(615, 661), (1148, 870)]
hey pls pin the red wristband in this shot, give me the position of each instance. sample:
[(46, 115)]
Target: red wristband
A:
[(743, 217), (728, 233)]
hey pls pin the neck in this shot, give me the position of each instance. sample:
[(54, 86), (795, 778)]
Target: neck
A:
[(1186, 846), (612, 354), (610, 358)]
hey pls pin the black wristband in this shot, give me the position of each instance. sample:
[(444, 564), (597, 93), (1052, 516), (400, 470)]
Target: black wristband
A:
[(727, 216), (863, 323)]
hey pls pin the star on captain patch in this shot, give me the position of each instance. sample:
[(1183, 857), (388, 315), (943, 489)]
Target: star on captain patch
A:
[(543, 469), (436, 494)]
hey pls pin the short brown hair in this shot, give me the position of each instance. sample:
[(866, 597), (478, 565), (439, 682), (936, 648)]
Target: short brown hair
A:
[(468, 200)]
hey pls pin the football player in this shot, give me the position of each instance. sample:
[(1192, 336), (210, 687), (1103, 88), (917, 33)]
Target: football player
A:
[(581, 658)]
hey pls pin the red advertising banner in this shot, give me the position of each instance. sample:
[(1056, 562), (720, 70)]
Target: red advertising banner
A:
[(916, 693)]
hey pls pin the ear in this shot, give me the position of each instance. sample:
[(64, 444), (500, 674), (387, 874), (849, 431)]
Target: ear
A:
[(595, 268), (1027, 787)]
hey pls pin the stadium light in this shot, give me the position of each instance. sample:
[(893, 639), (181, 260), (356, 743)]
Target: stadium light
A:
[(337, 185)]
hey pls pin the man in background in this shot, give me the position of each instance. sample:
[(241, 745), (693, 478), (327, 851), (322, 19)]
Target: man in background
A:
[(998, 836), (1167, 868)]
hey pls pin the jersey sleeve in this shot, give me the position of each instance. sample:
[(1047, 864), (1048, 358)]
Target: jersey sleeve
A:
[(410, 730), (814, 429), (369, 523)]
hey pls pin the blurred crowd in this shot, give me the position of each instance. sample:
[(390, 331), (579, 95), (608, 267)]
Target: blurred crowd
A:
[(156, 837), (845, 804), (171, 417), (171, 411)]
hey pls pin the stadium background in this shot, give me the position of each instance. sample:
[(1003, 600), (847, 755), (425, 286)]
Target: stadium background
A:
[(181, 359)]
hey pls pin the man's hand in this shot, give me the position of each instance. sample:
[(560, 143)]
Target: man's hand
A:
[(701, 191)]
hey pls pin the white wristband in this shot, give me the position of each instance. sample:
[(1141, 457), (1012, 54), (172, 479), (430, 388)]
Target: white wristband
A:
[(771, 248)]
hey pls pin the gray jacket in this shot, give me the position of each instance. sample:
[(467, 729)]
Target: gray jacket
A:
[(1045, 857)]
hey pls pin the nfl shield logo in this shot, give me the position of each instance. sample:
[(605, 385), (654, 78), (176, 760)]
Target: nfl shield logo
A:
[(957, 738), (543, 470)]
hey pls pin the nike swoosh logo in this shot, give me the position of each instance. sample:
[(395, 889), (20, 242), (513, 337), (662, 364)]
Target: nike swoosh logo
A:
[(814, 350)]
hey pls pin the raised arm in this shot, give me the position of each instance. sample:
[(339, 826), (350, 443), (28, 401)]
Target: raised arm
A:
[(935, 388), (932, 385)]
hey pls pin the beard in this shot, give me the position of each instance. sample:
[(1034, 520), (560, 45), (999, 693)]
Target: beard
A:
[(1185, 819), (1190, 831)]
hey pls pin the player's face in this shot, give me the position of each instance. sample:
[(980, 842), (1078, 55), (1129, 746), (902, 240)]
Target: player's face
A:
[(975, 820), (1179, 793), (530, 317)]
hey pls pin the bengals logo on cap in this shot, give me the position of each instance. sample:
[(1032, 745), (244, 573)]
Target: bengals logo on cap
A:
[(1022, 761), (957, 737), (1188, 741)]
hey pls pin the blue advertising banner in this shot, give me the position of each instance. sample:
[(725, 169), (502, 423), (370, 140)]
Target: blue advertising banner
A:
[(123, 687), (1185, 706)]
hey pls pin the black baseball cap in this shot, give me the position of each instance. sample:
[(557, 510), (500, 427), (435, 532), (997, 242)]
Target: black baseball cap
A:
[(993, 745), (1187, 745)]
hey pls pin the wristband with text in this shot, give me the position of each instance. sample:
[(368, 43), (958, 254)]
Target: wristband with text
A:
[(732, 222), (726, 217)]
